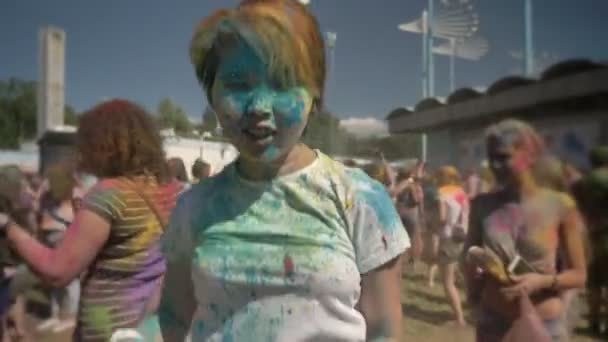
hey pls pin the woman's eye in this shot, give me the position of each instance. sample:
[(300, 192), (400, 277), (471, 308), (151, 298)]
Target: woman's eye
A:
[(238, 84)]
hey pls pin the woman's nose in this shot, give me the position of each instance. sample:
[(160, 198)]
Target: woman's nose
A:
[(261, 104)]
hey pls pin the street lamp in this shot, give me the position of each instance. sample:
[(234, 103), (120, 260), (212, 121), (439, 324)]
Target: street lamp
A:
[(455, 21), (330, 42), (528, 41), (472, 49)]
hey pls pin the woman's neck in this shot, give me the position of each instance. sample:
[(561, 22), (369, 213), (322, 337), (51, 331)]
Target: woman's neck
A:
[(524, 186), (298, 158)]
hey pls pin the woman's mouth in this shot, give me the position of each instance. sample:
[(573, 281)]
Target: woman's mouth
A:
[(259, 134)]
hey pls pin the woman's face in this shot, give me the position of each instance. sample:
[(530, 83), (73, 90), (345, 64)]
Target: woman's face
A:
[(507, 160), (262, 118)]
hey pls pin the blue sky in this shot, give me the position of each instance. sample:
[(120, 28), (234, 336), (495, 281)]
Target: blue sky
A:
[(137, 49)]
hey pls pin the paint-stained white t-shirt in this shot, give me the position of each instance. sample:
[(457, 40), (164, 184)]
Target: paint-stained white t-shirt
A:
[(282, 260)]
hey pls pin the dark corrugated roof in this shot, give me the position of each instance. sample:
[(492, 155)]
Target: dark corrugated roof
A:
[(570, 67), (561, 69), (463, 94), (428, 103), (397, 112), (507, 83)]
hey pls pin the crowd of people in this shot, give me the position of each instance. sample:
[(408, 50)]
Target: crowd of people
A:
[(285, 243), (528, 211)]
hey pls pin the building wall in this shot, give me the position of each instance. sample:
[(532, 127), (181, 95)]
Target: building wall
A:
[(441, 149), (51, 79), (216, 154)]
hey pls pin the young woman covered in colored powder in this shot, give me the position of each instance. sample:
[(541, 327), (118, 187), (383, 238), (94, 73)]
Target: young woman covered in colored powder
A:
[(523, 219), (409, 199), (284, 244), (453, 204), (115, 237)]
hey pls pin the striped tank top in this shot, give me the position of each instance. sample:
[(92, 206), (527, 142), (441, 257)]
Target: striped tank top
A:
[(123, 277)]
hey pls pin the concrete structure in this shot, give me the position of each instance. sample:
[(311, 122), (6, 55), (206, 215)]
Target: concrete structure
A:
[(217, 154), (51, 80), (55, 146), (568, 105)]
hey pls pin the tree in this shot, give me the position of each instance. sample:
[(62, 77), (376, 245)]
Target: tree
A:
[(17, 112), (173, 116), (18, 116), (70, 116)]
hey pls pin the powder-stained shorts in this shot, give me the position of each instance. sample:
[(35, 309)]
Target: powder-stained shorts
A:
[(449, 251)]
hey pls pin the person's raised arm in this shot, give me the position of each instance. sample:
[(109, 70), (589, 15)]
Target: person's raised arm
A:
[(78, 248)]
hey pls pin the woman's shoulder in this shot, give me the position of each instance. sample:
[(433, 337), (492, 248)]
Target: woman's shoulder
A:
[(559, 198), (349, 182)]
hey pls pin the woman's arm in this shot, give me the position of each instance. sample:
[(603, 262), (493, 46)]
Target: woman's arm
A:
[(380, 301), (400, 187), (443, 212), (80, 245), (576, 275), (177, 303)]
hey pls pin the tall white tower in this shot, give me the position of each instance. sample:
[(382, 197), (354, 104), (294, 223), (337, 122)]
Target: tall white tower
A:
[(51, 80)]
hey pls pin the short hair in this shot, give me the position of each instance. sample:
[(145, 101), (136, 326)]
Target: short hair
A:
[(12, 188), (448, 175), (119, 138), (177, 169), (549, 173), (198, 167), (517, 133), (283, 34)]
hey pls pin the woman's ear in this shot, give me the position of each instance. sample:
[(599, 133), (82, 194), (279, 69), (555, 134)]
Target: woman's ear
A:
[(314, 110)]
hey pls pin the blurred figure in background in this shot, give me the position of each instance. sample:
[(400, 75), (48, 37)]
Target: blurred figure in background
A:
[(200, 170), (55, 216), (487, 180), (592, 194), (409, 200), (431, 225), (472, 183), (525, 221), (15, 206), (177, 170), (453, 206)]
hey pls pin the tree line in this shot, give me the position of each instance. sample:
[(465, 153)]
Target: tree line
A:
[(18, 124)]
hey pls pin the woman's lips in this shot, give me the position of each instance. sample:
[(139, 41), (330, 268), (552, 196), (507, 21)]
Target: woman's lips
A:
[(260, 134)]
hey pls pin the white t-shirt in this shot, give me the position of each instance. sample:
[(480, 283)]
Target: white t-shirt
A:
[(282, 260), (456, 203)]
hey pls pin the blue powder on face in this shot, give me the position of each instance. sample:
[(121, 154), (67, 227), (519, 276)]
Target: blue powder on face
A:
[(244, 87)]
